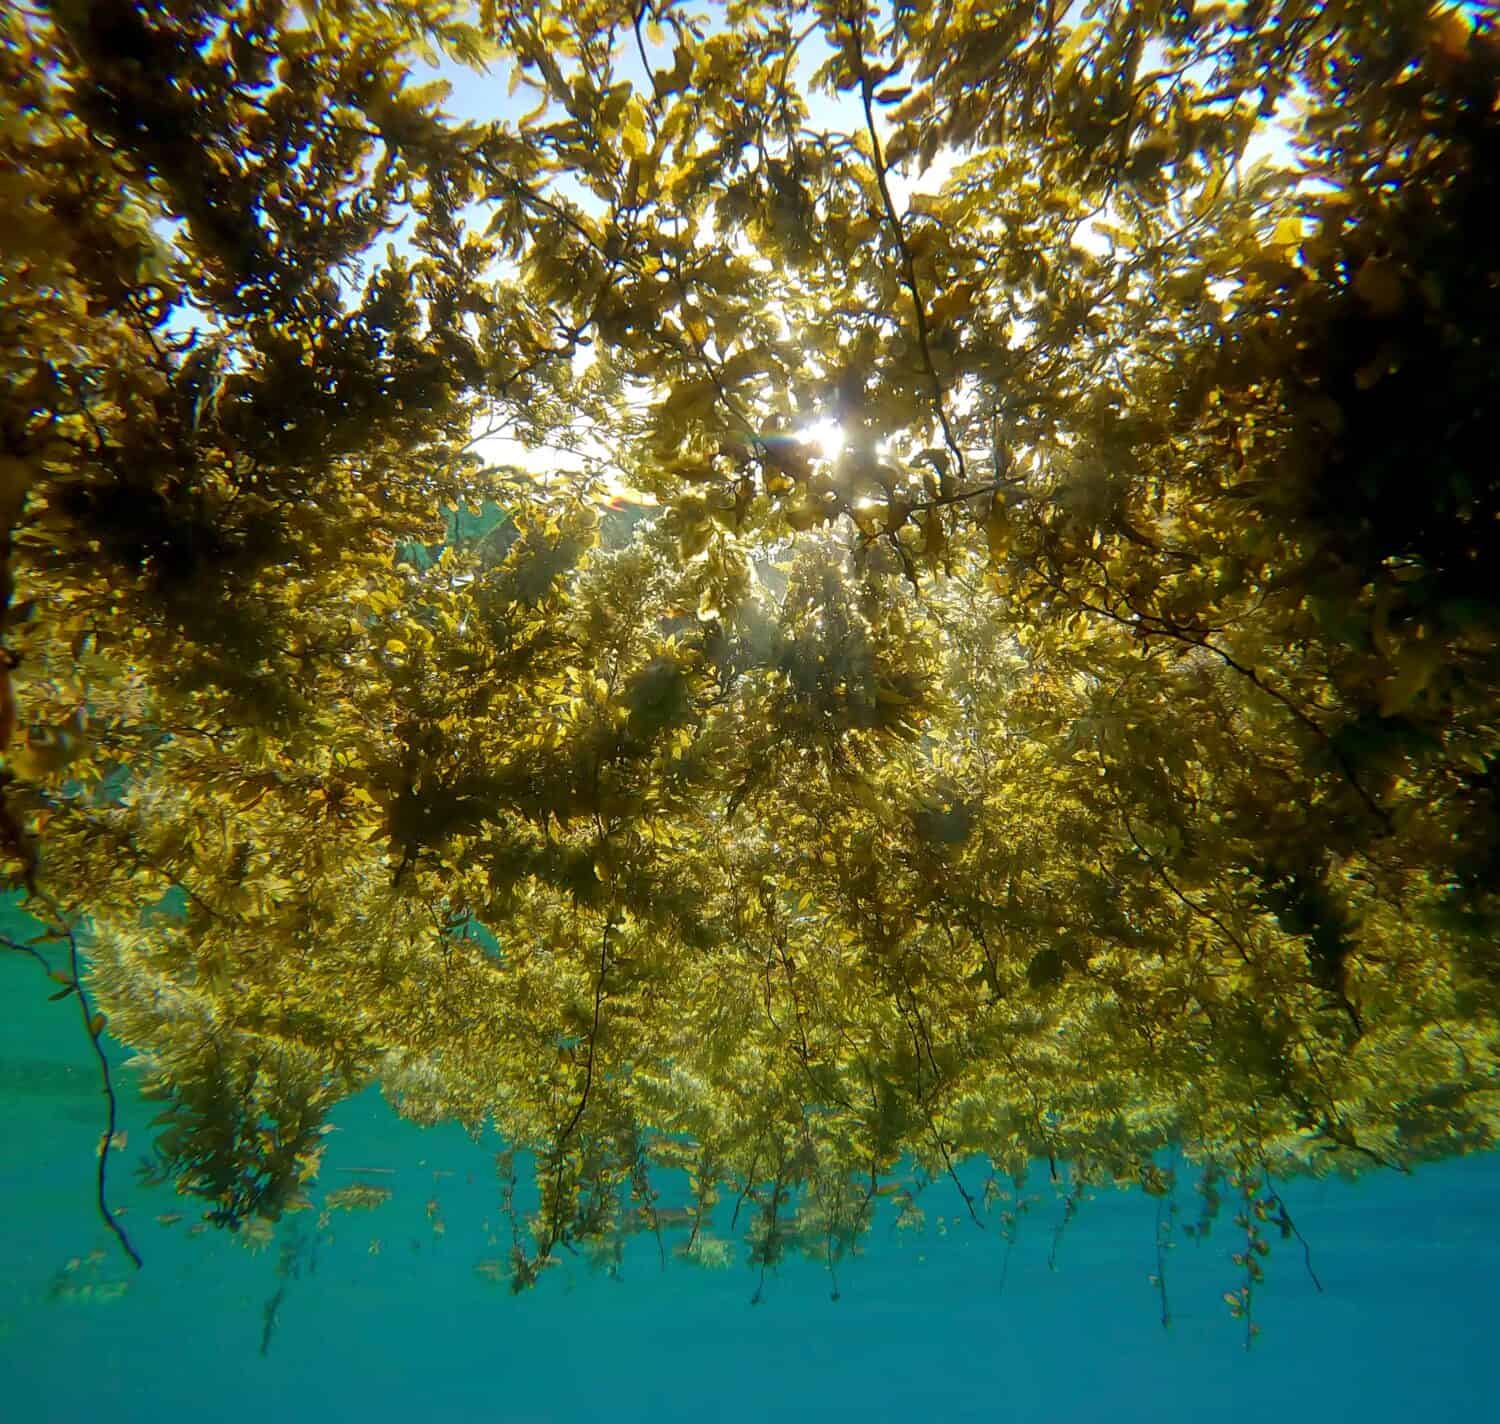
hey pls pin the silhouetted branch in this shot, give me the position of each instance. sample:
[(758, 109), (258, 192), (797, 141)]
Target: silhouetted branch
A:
[(93, 1025)]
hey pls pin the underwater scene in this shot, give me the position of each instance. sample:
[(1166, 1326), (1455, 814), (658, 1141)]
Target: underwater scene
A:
[(740, 710)]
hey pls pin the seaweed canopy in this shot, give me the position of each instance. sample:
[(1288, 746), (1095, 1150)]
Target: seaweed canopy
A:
[(1093, 748)]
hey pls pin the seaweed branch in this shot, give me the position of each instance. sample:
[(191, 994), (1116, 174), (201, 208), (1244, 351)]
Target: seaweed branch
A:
[(908, 262), (1166, 1218), (93, 1024), (1070, 1210), (1010, 1219), (1288, 1228), (268, 1315), (1241, 1301), (834, 1294)]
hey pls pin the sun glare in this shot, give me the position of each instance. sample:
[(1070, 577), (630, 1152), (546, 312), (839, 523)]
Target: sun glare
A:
[(826, 436)]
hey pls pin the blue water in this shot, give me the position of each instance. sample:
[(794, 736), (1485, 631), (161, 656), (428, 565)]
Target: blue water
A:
[(923, 1330)]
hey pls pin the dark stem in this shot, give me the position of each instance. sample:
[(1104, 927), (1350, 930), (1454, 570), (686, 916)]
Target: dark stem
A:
[(94, 1027), (1289, 1227), (908, 263)]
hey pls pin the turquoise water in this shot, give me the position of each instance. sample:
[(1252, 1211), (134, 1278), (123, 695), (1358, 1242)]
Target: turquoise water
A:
[(923, 1327)]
